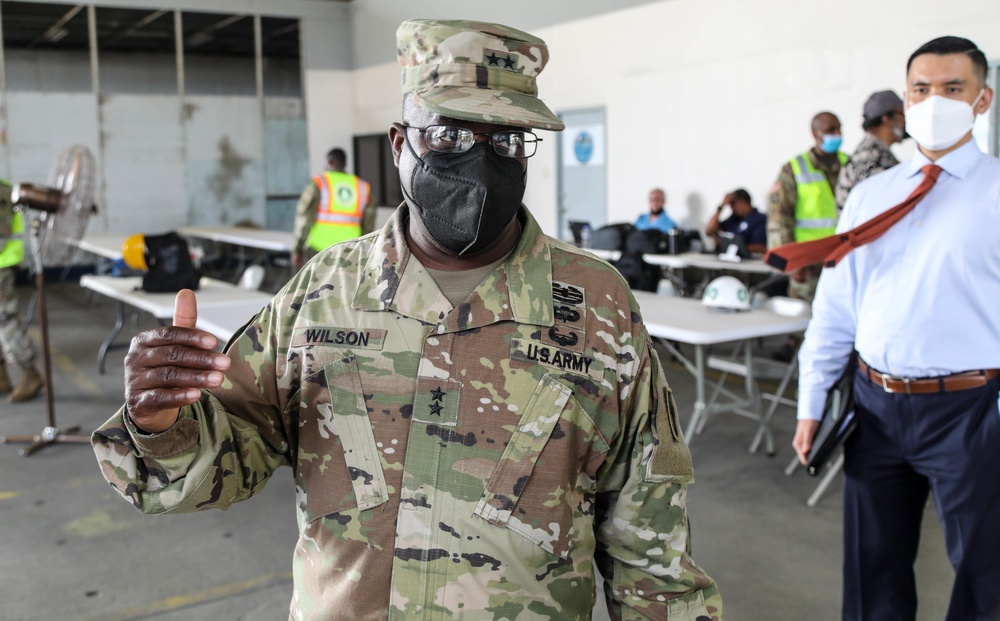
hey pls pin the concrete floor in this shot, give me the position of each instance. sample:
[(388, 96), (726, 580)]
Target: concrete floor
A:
[(72, 549)]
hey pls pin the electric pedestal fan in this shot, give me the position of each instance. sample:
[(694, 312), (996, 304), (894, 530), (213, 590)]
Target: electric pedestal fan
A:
[(63, 209)]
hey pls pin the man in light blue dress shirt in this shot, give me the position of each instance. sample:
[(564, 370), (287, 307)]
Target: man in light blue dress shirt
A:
[(921, 305), (657, 217)]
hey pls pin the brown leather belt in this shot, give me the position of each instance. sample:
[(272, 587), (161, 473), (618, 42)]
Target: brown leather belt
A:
[(945, 383)]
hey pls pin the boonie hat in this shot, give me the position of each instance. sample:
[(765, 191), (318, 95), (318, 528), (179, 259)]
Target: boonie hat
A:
[(882, 102), (475, 71)]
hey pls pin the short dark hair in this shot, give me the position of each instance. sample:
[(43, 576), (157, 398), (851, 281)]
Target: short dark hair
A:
[(338, 156), (742, 195), (942, 46)]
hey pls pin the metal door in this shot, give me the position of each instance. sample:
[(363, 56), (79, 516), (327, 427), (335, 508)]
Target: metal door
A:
[(582, 175)]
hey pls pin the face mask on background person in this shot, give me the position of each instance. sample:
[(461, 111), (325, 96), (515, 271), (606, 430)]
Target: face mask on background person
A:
[(900, 133), (938, 123), (465, 200), (831, 142)]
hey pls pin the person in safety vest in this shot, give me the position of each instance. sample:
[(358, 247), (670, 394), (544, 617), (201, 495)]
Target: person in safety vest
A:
[(333, 208), (15, 347), (802, 206)]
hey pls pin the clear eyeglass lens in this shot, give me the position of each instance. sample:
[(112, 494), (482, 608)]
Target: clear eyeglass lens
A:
[(453, 139)]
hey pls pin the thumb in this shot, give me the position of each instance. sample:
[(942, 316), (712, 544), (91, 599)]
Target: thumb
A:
[(185, 309)]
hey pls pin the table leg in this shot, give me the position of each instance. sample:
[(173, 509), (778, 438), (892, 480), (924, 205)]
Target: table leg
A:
[(115, 331), (699, 381), (775, 402), (753, 394)]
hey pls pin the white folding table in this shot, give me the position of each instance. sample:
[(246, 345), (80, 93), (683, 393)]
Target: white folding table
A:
[(263, 239), (687, 320), (213, 294), (104, 245)]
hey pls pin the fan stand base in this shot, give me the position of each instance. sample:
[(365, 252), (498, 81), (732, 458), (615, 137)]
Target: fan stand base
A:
[(49, 435)]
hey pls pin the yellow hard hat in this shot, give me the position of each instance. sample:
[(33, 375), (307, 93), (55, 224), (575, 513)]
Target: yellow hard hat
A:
[(134, 252)]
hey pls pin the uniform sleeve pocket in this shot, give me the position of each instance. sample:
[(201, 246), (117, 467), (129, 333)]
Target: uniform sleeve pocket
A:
[(668, 459)]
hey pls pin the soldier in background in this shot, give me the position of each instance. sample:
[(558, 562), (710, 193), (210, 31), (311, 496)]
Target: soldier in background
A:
[(473, 410), (883, 122), (16, 349), (334, 207), (802, 206)]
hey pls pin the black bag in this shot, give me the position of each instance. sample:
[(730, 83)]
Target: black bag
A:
[(647, 241), (611, 237), (170, 266), (839, 419)]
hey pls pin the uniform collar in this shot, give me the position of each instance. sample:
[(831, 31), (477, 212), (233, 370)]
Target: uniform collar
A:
[(959, 163), (519, 290)]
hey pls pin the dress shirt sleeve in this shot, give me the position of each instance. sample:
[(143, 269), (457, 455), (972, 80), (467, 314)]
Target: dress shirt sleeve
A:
[(643, 539), (781, 209), (305, 216), (219, 451), (829, 339)]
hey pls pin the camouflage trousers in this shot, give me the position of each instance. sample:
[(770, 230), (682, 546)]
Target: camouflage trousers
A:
[(16, 347), (806, 289)]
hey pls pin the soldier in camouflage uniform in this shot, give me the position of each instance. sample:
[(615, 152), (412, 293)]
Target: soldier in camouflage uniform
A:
[(473, 416), (884, 123), (802, 206), (784, 223), (16, 348)]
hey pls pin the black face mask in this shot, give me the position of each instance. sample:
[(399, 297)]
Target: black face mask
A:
[(465, 200)]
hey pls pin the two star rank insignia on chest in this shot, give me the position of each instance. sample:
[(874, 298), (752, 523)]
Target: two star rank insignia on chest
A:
[(436, 401), (437, 397)]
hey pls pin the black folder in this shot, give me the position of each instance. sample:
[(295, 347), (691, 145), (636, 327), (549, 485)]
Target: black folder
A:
[(838, 420)]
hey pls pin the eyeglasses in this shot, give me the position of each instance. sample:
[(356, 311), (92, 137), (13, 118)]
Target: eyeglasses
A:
[(517, 143)]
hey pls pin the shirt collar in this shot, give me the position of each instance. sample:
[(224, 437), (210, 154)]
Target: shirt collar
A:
[(520, 289), (959, 163)]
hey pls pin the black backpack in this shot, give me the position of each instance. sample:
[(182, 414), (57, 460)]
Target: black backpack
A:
[(170, 266), (647, 241), (611, 237)]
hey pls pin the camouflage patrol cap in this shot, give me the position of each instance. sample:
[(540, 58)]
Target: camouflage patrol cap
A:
[(475, 71)]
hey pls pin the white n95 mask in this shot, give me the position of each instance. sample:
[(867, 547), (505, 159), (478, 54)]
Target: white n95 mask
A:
[(937, 123)]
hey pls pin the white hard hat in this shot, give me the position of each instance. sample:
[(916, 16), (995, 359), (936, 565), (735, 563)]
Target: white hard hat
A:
[(726, 292)]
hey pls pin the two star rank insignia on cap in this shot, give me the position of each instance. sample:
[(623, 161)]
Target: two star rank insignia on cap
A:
[(501, 60)]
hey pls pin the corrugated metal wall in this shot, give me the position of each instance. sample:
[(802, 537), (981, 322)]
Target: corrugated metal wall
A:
[(205, 140)]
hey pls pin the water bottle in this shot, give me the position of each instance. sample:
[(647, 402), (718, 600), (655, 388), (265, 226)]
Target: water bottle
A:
[(585, 236)]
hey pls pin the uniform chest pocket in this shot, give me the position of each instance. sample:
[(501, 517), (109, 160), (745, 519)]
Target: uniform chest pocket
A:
[(338, 462), (543, 486)]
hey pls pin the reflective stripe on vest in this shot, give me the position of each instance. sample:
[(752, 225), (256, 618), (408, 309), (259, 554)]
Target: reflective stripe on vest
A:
[(13, 250), (341, 205), (815, 207)]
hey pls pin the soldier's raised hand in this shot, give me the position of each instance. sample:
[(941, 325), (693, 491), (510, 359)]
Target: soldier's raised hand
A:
[(166, 366)]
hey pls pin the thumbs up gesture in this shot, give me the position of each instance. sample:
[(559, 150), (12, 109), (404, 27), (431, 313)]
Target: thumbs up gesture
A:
[(166, 367)]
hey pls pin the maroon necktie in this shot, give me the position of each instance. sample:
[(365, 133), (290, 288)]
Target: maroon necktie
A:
[(830, 250)]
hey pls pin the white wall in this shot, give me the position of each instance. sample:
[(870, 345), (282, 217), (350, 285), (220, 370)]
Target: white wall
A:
[(703, 96)]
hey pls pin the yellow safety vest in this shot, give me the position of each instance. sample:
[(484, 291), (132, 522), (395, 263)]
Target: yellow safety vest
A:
[(343, 197), (11, 248), (815, 208)]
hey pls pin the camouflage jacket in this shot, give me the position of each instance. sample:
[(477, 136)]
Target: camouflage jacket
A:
[(871, 157), (471, 461)]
